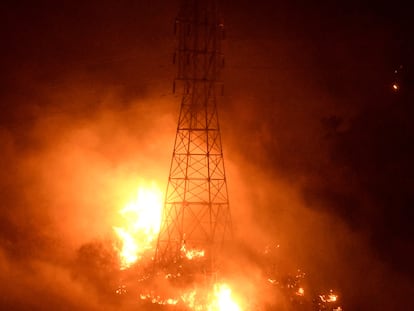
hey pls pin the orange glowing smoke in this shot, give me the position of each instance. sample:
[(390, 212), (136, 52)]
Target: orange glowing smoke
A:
[(141, 224)]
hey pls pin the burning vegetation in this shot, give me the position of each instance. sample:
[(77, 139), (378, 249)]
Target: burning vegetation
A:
[(141, 224), (186, 284), (84, 120)]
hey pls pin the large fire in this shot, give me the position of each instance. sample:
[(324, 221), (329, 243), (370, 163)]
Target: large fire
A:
[(219, 299), (137, 233), (223, 300), (141, 224)]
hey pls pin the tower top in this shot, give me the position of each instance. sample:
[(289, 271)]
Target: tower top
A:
[(199, 30)]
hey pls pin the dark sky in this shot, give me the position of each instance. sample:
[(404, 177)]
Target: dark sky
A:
[(308, 109)]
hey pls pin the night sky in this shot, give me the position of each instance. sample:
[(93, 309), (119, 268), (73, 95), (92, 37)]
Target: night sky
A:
[(318, 145)]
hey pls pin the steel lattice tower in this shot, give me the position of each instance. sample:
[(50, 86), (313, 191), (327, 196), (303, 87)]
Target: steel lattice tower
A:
[(196, 212)]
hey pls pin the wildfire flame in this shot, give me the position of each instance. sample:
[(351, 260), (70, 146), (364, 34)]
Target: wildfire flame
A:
[(142, 220), (300, 291), (192, 253), (158, 300), (331, 297), (220, 299), (223, 300)]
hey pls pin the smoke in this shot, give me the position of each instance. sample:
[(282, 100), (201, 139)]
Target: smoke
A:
[(303, 236), (66, 172), (85, 119), (307, 153), (87, 113)]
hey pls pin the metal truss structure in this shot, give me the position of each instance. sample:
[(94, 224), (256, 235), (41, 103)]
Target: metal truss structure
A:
[(196, 213)]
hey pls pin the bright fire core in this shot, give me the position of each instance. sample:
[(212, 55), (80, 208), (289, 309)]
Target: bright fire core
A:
[(141, 223), (223, 299), (219, 299)]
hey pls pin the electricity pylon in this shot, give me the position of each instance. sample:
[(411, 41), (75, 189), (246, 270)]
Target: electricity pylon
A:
[(196, 213)]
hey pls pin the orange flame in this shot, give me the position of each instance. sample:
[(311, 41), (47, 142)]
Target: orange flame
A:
[(192, 253), (223, 300), (220, 299), (142, 220), (331, 297), (190, 300), (158, 300), (300, 291)]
